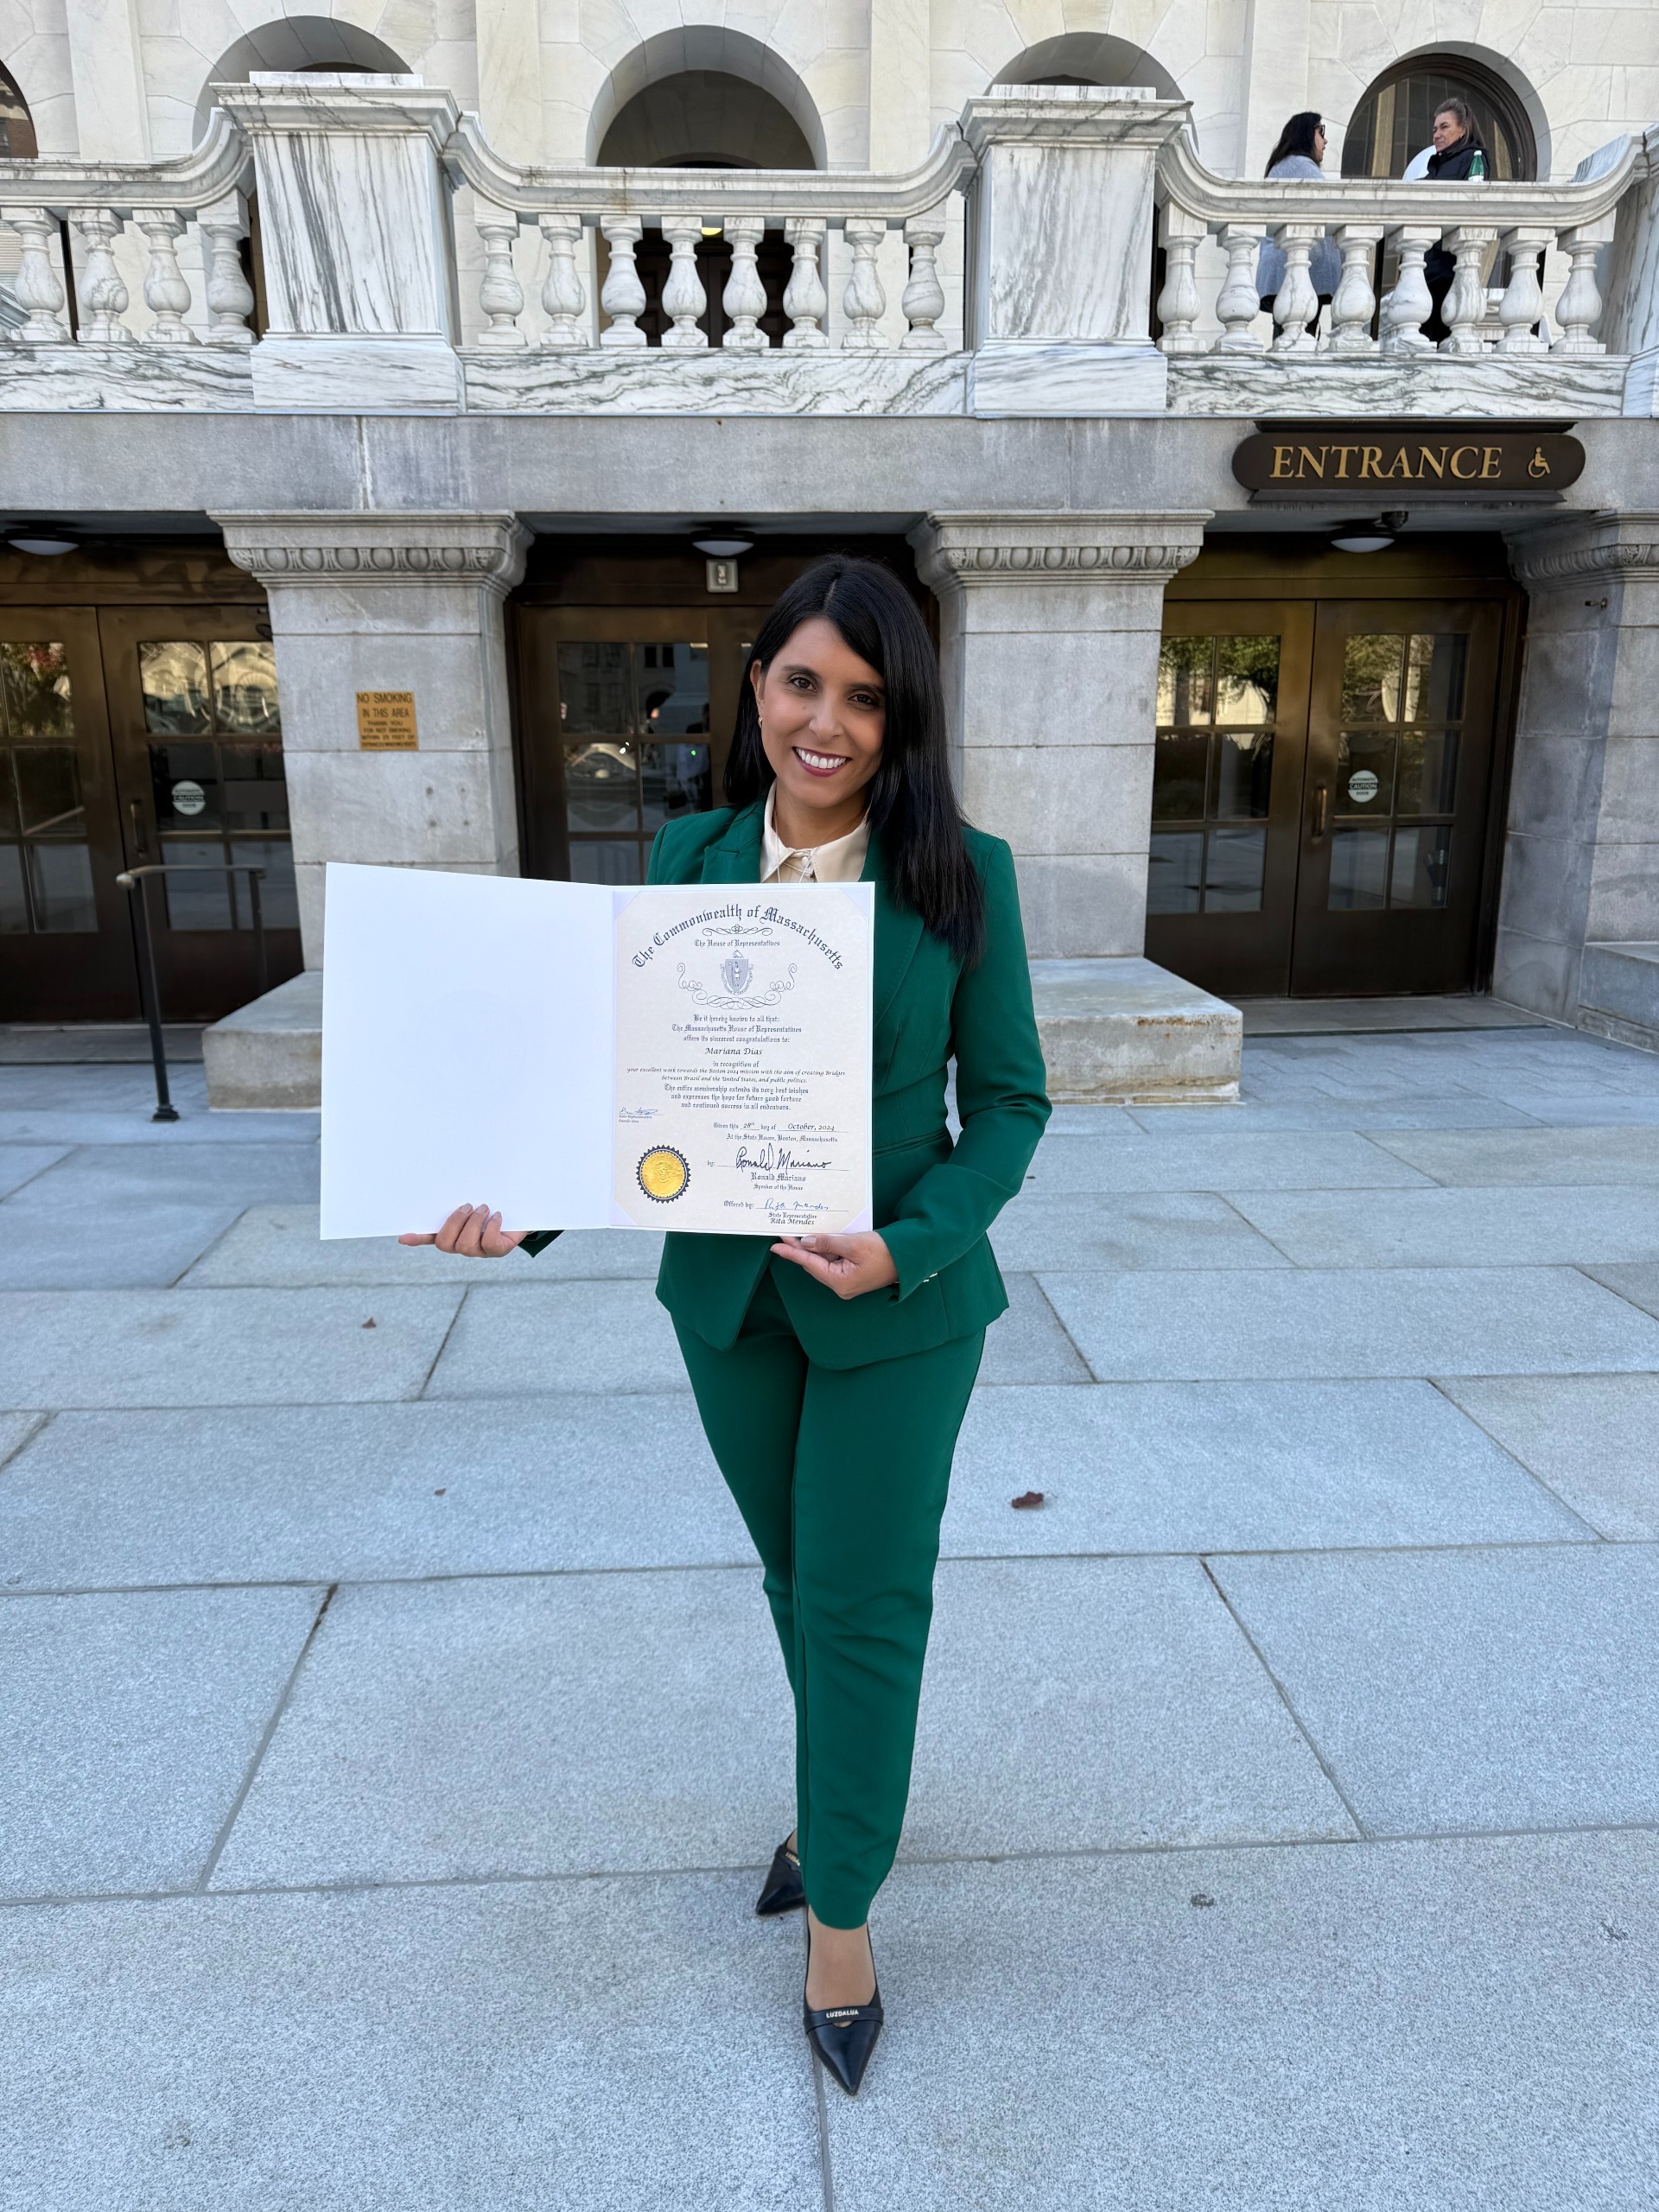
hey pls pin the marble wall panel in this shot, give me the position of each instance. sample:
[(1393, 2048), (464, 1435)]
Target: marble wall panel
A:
[(1065, 243), (1629, 808), (1539, 973), (351, 234), (322, 675), (1060, 686), (1075, 799), (1546, 890), (1624, 902), (431, 809), (1083, 906), (1556, 784), (350, 376)]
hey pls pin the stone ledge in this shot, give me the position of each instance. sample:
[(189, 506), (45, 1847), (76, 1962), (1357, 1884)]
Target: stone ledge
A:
[(1619, 994), (1126, 1029), (1111, 1029), (268, 1055)]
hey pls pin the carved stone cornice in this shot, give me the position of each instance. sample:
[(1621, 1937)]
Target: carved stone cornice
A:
[(1614, 545), (954, 551), (486, 551)]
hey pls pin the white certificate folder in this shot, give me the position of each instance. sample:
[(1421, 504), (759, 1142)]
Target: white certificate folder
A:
[(578, 1055)]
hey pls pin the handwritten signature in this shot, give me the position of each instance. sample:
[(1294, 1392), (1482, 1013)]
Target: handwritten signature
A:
[(770, 1158)]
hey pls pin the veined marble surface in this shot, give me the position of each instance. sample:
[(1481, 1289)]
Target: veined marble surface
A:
[(352, 233), (1641, 385), (1070, 381), (1047, 270), (356, 376), (1382, 384), (653, 381), (74, 379)]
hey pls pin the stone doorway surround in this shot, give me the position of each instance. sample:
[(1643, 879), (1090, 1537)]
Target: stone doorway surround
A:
[(1577, 932)]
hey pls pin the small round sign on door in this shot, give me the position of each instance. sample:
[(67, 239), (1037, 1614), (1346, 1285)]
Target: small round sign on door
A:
[(1363, 787), (188, 797)]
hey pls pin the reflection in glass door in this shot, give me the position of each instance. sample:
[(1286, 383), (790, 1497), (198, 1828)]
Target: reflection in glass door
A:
[(634, 723)]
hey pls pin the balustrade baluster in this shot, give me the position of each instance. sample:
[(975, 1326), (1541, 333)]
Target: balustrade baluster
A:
[(564, 296), (1410, 304), (1178, 296), (1239, 304), (1465, 303), (683, 297), (745, 297), (805, 301), (224, 224), (923, 302), (864, 301), (1297, 303), (623, 296), (1522, 305), (103, 296), (165, 293), (1355, 302), (36, 284), (499, 293), (1580, 301)]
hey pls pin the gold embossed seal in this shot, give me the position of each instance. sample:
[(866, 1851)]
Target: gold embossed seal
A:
[(663, 1174)]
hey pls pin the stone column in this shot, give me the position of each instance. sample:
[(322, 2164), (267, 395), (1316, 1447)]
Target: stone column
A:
[(390, 603), (1050, 627), (1581, 884)]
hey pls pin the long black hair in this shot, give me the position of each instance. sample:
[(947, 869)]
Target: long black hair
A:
[(1296, 137), (912, 805)]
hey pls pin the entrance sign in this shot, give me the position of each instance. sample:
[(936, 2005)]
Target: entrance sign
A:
[(385, 722), (1416, 461), (583, 1057)]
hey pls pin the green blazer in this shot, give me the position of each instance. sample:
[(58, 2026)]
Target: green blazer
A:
[(933, 1202)]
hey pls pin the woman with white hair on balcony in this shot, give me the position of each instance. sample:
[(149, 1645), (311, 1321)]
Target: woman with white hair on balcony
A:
[(1299, 153)]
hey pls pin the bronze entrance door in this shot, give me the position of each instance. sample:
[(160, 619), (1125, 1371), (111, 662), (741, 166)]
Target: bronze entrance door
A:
[(1322, 782), (135, 735)]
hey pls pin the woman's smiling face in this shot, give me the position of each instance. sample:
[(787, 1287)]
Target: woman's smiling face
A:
[(823, 718)]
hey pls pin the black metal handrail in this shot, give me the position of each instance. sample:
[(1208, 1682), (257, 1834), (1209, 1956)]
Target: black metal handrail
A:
[(130, 881)]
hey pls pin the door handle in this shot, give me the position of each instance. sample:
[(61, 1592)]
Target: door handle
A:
[(134, 815), (1321, 802)]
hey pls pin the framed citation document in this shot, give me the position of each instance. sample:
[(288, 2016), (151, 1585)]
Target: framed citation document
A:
[(692, 1057)]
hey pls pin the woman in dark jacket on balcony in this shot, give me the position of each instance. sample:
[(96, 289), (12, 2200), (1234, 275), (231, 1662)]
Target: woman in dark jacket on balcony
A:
[(1456, 141)]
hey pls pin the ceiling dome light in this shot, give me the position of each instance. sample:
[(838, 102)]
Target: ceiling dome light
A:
[(708, 538), (44, 537), (1364, 537)]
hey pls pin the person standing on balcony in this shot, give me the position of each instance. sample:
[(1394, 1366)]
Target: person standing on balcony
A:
[(832, 1372), (1299, 153), (1458, 158)]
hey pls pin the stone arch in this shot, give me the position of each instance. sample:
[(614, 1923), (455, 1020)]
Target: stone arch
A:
[(1088, 58), (17, 139), (303, 43), (1492, 83), (722, 71)]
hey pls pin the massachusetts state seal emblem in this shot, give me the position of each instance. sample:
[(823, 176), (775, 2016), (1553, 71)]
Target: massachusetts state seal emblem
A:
[(663, 1174)]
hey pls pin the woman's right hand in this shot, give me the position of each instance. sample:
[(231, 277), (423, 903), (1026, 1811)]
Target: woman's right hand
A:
[(475, 1233)]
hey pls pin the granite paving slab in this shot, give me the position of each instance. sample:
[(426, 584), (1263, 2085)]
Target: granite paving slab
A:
[(185, 1172), (1588, 1112), (1532, 1226), (1462, 1690), (149, 1244), (363, 1492), (518, 2048), (1076, 1704), (1226, 1158), (1448, 2027), (1594, 1439), (1595, 1155), (1026, 1343), (218, 1347), (515, 1337), (280, 1246), (16, 1429), (21, 1163), (1638, 1284), (1305, 1322), (127, 1724), (568, 1723), (1390, 1110), (1142, 1229), (1234, 1466)]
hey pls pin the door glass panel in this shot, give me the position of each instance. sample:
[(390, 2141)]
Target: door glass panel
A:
[(635, 719), (1370, 678), (1429, 772), (203, 704), (46, 867), (1365, 772), (1359, 870), (1435, 667), (1212, 773), (1421, 863)]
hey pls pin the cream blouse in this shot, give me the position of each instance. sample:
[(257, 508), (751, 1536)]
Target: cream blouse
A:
[(842, 860)]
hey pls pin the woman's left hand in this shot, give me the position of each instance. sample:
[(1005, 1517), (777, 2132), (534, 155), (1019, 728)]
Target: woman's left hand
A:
[(847, 1265)]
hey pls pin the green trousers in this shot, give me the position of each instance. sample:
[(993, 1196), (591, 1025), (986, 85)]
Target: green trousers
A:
[(841, 1474)]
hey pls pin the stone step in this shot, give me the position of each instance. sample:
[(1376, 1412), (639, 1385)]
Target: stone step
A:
[(1618, 993)]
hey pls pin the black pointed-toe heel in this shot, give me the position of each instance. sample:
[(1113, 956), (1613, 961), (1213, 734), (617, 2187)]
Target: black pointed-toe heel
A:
[(842, 2038), (782, 1890)]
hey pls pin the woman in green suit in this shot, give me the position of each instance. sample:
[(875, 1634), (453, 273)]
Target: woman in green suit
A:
[(832, 1372)]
